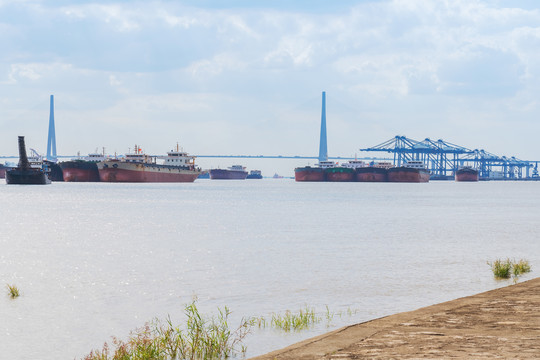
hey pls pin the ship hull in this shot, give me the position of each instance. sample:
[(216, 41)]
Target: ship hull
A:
[(405, 174), (250, 176), (224, 174), (118, 171), (309, 174), (371, 174), (339, 174), (467, 175), (54, 171), (3, 170), (80, 171), (26, 177)]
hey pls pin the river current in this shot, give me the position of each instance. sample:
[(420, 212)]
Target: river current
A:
[(96, 260)]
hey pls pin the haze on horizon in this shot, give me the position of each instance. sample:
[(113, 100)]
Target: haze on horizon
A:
[(247, 77)]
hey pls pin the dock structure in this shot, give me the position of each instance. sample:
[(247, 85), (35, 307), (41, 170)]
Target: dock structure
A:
[(443, 158)]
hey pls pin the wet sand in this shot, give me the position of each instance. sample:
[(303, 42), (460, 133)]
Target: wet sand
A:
[(498, 324)]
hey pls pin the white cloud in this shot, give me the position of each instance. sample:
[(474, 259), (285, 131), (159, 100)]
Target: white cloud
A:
[(399, 64)]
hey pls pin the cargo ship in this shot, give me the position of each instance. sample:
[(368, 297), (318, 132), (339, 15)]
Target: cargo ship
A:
[(313, 173), (3, 169), (235, 172), (339, 173), (254, 174), (412, 171), (82, 170), (54, 171), (467, 174), (375, 172), (178, 166), (27, 172)]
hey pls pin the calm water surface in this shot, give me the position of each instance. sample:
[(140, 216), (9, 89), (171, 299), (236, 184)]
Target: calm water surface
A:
[(98, 260)]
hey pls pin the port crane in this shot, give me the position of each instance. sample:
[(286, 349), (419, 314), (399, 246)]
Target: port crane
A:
[(443, 158)]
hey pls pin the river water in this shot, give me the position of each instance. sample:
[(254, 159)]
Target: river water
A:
[(95, 260)]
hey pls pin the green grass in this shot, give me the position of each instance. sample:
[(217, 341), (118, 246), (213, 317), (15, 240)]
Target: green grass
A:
[(504, 269), (303, 319), (200, 338), (300, 320), (521, 267), (13, 291)]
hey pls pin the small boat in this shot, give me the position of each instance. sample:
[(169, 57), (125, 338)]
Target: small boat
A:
[(27, 172)]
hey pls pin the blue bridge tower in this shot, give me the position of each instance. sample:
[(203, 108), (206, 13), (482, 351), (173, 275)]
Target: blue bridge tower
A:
[(51, 139), (323, 149)]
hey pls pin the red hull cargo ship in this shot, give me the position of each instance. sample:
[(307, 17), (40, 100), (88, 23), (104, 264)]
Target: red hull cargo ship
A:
[(467, 174), (3, 169), (82, 170), (309, 173), (178, 166), (413, 171), (235, 172), (313, 173), (339, 173), (371, 174)]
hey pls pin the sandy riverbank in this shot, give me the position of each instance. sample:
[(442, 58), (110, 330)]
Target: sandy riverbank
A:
[(498, 324)]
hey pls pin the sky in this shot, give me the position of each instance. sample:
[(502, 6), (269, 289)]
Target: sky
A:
[(245, 77)]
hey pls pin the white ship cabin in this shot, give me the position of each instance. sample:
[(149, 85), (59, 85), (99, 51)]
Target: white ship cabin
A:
[(138, 156), (95, 157), (354, 164), (415, 164), (326, 164), (178, 158), (384, 164), (237, 168), (35, 160)]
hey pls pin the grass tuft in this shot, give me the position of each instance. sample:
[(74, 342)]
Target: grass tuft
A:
[(13, 291), (200, 338), (521, 267), (504, 269), (501, 268), (303, 319)]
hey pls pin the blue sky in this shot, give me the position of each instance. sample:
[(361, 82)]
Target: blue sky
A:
[(245, 77)]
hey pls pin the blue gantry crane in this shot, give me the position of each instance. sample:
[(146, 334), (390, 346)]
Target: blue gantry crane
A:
[(443, 158)]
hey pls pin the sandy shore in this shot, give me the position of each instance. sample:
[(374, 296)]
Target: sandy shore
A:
[(498, 324)]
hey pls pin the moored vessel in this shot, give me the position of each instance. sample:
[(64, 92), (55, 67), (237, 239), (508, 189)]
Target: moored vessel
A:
[(371, 174), (339, 173), (375, 172), (178, 166), (235, 172), (412, 171), (3, 169), (82, 170), (27, 172), (313, 173), (254, 174), (467, 173)]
